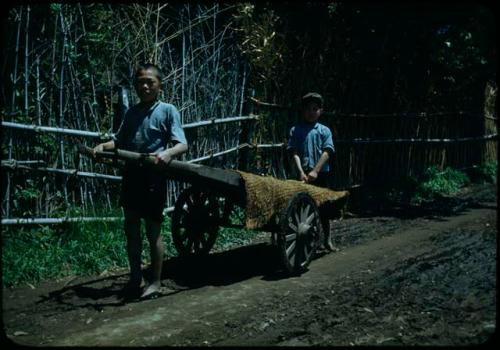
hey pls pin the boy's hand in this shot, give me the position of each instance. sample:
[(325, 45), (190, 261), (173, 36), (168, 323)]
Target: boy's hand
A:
[(164, 157), (98, 148), (312, 176), (303, 177)]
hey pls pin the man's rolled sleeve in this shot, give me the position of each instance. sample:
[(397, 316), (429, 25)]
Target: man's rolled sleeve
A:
[(176, 130), (326, 138)]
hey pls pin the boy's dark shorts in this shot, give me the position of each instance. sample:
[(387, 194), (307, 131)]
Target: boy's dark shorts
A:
[(144, 191)]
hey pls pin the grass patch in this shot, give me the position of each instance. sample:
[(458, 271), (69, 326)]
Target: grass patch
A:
[(32, 254), (435, 183)]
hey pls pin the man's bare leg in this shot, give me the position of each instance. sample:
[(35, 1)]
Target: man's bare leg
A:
[(153, 229), (134, 247)]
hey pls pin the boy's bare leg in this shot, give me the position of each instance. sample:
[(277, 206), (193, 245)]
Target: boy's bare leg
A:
[(327, 237), (134, 247), (153, 229)]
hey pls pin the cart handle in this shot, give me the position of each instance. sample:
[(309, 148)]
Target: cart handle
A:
[(119, 154)]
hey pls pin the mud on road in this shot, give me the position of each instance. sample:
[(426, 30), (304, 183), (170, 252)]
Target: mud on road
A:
[(401, 277)]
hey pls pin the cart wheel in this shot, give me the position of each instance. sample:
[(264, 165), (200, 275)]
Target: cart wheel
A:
[(300, 232), (195, 222)]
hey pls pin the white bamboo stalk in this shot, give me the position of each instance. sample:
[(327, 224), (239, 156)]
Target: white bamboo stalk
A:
[(242, 98), (218, 121), (44, 221), (56, 130), (38, 98), (72, 172), (183, 77), (412, 140), (234, 149), (61, 97), (16, 59), (74, 132), (26, 62), (270, 145)]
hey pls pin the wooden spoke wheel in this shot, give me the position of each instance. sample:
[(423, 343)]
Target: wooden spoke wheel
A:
[(195, 222), (300, 232)]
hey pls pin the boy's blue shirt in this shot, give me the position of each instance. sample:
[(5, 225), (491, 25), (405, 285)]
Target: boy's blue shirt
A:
[(150, 131), (310, 141)]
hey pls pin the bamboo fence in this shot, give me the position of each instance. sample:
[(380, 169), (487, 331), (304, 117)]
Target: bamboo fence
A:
[(380, 148), (59, 85), (69, 72)]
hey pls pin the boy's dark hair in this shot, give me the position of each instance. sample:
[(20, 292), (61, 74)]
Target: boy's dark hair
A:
[(312, 97), (148, 66)]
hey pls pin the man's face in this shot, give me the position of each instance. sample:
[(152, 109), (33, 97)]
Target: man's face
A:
[(311, 112), (147, 85)]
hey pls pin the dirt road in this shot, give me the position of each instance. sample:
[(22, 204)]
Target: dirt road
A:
[(422, 279)]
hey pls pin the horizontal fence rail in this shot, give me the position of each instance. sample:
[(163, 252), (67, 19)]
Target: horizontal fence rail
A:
[(12, 164), (412, 140), (74, 132), (381, 115), (52, 221), (44, 221)]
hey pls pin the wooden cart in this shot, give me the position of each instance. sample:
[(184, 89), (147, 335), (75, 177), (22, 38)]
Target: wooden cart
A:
[(214, 196)]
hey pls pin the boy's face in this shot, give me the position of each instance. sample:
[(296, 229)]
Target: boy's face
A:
[(311, 112), (147, 85)]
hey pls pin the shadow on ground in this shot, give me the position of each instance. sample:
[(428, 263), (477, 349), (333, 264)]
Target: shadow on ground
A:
[(179, 274)]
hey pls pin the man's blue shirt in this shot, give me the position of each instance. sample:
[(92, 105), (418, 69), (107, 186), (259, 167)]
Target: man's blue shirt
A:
[(310, 141), (150, 131)]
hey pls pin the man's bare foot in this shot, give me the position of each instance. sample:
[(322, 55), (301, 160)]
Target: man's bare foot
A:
[(329, 246), (151, 291)]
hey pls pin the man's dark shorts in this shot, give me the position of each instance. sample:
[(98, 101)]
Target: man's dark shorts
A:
[(144, 191)]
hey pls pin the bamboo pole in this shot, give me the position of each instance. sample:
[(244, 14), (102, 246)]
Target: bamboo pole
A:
[(44, 221), (52, 73), (74, 132), (26, 62), (71, 172), (16, 59), (183, 81), (61, 98), (489, 151), (38, 98), (12, 109)]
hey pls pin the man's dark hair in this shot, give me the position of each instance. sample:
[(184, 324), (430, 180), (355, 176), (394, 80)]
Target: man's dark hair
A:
[(148, 66), (312, 97)]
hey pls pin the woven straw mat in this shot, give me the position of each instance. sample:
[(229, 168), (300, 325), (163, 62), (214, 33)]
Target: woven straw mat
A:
[(267, 196)]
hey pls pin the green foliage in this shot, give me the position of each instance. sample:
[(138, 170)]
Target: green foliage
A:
[(435, 182), (36, 254), (55, 8), (232, 237), (25, 197), (260, 42), (31, 255)]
